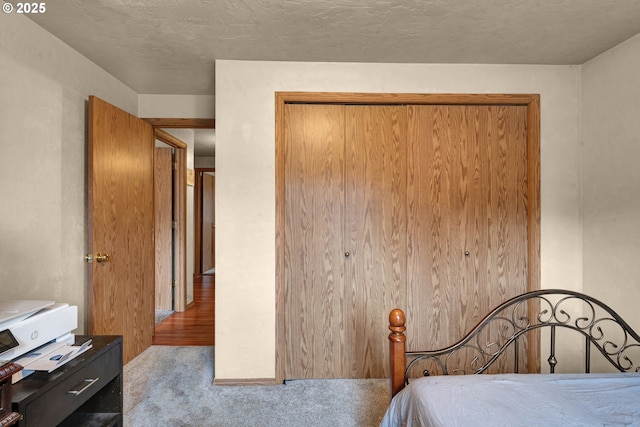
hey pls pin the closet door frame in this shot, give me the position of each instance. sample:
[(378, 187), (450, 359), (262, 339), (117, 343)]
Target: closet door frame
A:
[(531, 101)]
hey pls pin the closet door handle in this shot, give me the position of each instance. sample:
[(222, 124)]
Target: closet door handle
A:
[(347, 254)]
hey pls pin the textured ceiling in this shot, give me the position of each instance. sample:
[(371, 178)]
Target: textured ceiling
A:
[(169, 46)]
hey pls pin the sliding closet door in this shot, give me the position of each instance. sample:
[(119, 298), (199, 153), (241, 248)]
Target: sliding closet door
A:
[(314, 236), (376, 232), (467, 217)]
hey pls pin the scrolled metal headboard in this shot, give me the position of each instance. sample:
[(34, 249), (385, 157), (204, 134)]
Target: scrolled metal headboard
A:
[(601, 327)]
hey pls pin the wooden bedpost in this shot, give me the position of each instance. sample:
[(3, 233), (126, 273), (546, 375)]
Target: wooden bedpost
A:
[(397, 341)]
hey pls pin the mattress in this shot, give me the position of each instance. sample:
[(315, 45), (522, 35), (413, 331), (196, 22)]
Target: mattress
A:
[(518, 400)]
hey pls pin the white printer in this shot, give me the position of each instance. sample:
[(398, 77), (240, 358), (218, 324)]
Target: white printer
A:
[(28, 324)]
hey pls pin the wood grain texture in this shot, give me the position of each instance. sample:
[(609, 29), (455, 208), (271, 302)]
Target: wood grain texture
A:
[(280, 269), (181, 123), (313, 241), (335, 301), (532, 105), (376, 235), (179, 215), (121, 291), (397, 350), (533, 220), (198, 215), (163, 210), (467, 217), (169, 139), (208, 221), (194, 326), (180, 233), (405, 98)]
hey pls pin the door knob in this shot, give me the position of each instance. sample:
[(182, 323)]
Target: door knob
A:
[(347, 254), (102, 257), (98, 258)]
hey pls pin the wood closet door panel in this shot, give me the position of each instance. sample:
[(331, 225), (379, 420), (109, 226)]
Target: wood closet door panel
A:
[(314, 235), (467, 219), (437, 177), (376, 232), (498, 260)]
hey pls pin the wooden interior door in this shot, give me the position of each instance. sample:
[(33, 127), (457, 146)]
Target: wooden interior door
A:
[(163, 202), (467, 219), (376, 234), (208, 221), (120, 201)]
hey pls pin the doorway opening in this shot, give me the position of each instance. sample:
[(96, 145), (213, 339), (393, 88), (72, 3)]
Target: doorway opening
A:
[(191, 322), (165, 228), (205, 227)]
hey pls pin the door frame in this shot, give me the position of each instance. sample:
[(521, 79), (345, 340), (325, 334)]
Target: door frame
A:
[(180, 196), (531, 101), (180, 214), (197, 208), (165, 184)]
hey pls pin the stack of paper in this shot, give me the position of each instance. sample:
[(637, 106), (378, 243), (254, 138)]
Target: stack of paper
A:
[(48, 358)]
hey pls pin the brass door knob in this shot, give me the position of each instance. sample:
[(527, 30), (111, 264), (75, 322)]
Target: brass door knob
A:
[(102, 257), (98, 257)]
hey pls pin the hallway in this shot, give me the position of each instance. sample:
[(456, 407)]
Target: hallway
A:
[(195, 325)]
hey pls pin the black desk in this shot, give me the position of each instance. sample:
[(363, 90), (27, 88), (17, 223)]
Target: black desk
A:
[(86, 391)]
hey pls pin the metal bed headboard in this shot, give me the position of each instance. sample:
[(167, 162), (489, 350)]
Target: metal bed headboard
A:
[(601, 327)]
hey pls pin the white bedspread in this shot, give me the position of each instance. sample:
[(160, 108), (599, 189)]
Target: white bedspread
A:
[(518, 400)]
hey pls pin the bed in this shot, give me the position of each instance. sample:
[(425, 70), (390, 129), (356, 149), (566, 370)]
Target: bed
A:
[(599, 387)]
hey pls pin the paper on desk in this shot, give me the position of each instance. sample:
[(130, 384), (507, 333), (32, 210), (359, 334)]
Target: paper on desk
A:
[(52, 356)]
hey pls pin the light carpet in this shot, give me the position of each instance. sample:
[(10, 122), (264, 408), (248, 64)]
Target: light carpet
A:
[(172, 386), (162, 315)]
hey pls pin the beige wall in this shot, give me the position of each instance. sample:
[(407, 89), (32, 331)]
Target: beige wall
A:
[(176, 106), (611, 178), (245, 179), (43, 99)]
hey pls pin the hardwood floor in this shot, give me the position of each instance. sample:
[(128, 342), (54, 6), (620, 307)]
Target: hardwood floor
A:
[(194, 326)]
